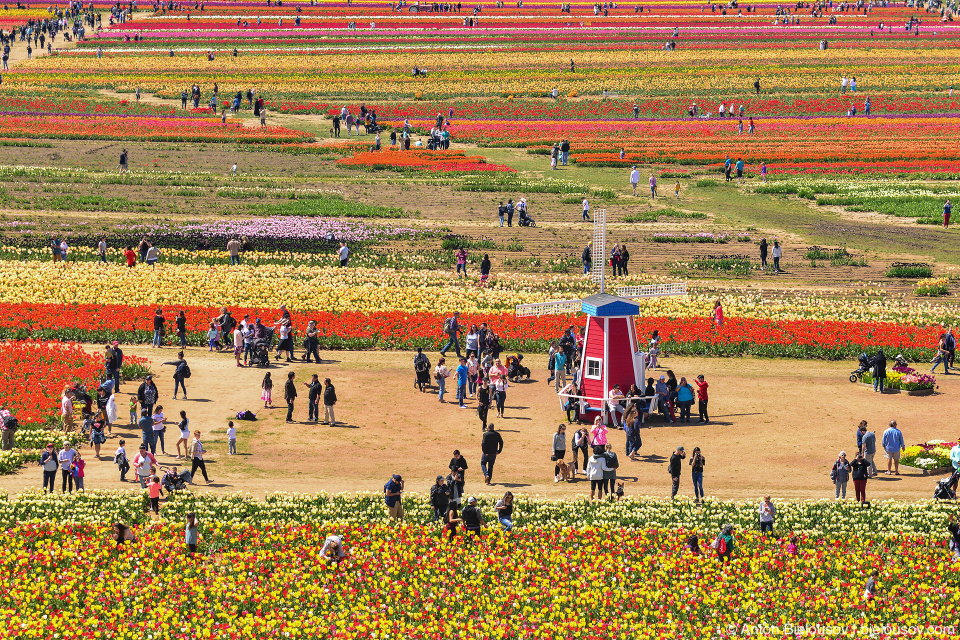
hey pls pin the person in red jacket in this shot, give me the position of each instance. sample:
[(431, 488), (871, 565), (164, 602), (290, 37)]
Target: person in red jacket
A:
[(702, 386), (131, 256)]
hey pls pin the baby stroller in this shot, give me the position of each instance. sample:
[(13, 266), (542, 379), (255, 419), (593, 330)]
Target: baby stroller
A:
[(862, 369), (525, 219), (173, 481), (946, 489), (515, 370), (260, 353), (901, 361)]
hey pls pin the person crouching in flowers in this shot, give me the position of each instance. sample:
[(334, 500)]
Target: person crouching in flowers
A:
[(332, 550)]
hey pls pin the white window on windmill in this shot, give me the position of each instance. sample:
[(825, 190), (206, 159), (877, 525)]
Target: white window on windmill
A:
[(594, 369)]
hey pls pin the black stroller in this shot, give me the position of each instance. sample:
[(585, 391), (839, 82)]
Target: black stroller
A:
[(526, 220), (173, 481), (862, 369), (515, 370), (946, 489), (260, 353)]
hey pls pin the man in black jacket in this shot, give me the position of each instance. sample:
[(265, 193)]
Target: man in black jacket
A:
[(329, 399), (676, 460), (115, 363), (313, 405), (587, 258), (458, 465), (439, 498), (491, 445), (290, 395)]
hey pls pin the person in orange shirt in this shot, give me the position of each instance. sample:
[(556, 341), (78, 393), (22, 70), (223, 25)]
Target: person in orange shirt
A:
[(153, 486)]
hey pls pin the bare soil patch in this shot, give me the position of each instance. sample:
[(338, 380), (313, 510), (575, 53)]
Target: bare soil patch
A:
[(776, 428)]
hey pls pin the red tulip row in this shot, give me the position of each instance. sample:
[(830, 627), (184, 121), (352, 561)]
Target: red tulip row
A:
[(400, 330)]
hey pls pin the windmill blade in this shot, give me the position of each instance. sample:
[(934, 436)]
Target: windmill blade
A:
[(548, 308), (653, 290), (599, 253)]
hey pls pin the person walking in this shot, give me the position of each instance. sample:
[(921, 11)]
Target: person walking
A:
[(559, 450), (868, 447), (266, 393), (777, 254), (635, 180), (484, 399), (329, 400), (587, 257), (393, 496), (893, 445), (653, 187), (491, 445), (586, 213), (840, 474), (184, 428), (196, 453), (463, 374), (697, 461), (763, 254), (595, 469), (859, 470), (767, 514), (290, 394), (500, 394), (158, 429), (676, 459), (451, 328)]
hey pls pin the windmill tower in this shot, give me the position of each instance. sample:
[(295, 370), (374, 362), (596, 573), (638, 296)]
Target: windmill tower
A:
[(612, 353)]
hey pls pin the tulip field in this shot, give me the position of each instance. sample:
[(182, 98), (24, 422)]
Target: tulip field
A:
[(271, 123)]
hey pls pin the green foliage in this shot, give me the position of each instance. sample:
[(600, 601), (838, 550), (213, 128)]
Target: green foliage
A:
[(326, 205), (909, 270)]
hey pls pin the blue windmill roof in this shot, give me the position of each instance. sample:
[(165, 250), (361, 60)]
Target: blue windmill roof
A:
[(604, 305)]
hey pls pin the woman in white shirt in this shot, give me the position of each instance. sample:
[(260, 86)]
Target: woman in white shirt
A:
[(500, 387), (158, 429), (473, 340), (238, 344), (184, 427), (777, 254), (441, 374), (595, 468)]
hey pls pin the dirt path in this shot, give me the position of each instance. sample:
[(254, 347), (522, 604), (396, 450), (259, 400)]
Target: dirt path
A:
[(777, 426)]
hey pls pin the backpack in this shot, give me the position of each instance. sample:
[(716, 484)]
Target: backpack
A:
[(721, 545), (422, 364), (448, 326), (246, 415), (10, 423), (833, 472), (149, 394), (184, 370)]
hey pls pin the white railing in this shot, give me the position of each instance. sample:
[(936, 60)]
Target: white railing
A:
[(653, 290), (599, 251), (548, 308)]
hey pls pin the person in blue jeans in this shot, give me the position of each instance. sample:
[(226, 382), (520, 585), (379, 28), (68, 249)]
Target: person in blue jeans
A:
[(587, 258), (462, 374), (944, 354), (696, 464), (452, 329), (504, 508), (146, 429), (441, 374), (158, 321)]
